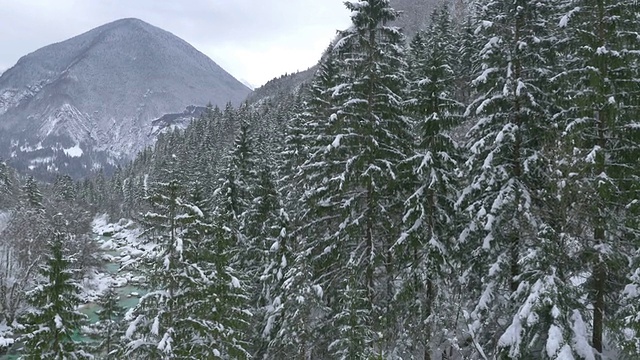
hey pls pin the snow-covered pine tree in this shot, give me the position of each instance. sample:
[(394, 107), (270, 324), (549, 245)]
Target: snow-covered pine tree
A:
[(108, 331), (600, 87), (353, 196), (29, 229), (224, 302), (185, 313), (269, 221), (426, 248), (353, 318), (7, 183), (296, 312), (507, 172), (235, 208), (63, 188), (31, 193), (467, 64), (52, 319), (209, 303), (292, 153), (232, 288), (236, 186), (151, 330), (628, 317)]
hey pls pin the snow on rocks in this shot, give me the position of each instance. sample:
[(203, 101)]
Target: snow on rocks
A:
[(120, 241)]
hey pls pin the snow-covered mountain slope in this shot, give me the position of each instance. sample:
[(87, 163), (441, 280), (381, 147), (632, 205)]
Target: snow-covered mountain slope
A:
[(416, 14), (100, 91)]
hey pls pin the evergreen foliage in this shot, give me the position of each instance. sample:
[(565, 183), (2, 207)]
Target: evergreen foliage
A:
[(109, 330), (52, 321), (472, 194), (599, 61)]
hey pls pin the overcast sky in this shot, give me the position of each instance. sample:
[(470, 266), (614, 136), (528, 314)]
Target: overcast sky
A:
[(254, 40)]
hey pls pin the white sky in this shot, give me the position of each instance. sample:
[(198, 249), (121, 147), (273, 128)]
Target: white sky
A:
[(254, 40)]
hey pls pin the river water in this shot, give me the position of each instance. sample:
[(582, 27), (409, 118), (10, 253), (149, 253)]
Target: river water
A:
[(127, 300), (128, 293)]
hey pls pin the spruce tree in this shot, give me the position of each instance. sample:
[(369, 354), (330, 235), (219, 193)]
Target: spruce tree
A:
[(63, 188), (109, 329), (427, 247), (598, 79), (507, 168), (151, 329), (31, 193), (209, 304), (7, 190), (184, 313), (29, 228), (353, 207), (52, 320), (271, 222)]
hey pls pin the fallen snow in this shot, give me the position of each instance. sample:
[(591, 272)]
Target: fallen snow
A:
[(74, 151), (96, 283), (124, 241), (58, 321)]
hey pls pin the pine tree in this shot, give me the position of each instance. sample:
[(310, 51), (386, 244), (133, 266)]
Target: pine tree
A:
[(271, 222), (352, 321), (599, 82), (52, 321), (426, 247), (353, 204), (7, 191), (151, 330), (291, 319), (32, 195), (229, 293), (63, 188), (209, 304), (628, 318), (180, 315), (507, 168), (196, 304), (29, 228), (109, 329)]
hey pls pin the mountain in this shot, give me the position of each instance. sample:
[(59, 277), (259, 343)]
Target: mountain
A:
[(416, 14), (91, 100)]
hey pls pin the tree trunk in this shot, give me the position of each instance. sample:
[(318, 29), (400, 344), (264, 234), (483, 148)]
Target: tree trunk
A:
[(599, 281), (600, 270)]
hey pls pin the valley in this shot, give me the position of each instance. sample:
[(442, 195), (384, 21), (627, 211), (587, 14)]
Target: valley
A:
[(461, 186)]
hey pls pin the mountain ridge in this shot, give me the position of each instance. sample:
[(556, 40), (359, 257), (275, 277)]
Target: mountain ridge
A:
[(102, 89)]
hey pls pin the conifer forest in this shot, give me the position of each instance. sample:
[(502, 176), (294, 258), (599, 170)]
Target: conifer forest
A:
[(469, 193)]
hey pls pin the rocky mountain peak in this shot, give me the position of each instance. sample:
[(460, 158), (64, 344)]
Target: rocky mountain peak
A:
[(100, 91)]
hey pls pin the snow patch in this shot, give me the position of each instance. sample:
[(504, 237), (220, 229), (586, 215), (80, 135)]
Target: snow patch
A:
[(74, 151), (58, 321), (6, 335)]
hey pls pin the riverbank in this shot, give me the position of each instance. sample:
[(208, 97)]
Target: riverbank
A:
[(120, 251), (121, 245)]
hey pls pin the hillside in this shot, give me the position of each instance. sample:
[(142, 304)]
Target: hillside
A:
[(97, 94)]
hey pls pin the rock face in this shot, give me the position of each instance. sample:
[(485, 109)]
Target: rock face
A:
[(92, 99)]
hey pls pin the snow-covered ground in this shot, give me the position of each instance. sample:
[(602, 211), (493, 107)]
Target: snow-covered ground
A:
[(125, 237), (121, 246)]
